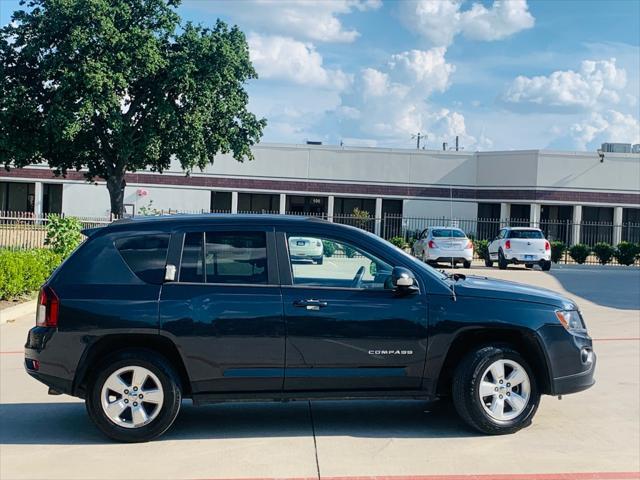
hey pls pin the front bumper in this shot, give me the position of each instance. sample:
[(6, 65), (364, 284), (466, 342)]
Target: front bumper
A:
[(571, 360)]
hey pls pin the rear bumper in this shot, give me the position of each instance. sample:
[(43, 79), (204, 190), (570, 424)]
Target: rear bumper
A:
[(439, 255), (51, 357), (527, 257)]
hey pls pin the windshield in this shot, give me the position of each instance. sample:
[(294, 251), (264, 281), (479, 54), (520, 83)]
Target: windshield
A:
[(525, 234), (447, 232)]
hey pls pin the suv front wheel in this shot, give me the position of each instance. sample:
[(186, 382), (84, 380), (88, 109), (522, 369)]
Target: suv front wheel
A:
[(494, 390), (134, 396)]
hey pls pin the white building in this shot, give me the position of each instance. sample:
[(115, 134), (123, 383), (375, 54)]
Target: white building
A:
[(531, 185)]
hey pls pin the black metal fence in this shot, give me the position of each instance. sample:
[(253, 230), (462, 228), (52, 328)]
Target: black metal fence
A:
[(26, 230)]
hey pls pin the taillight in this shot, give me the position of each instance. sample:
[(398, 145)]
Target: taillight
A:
[(469, 245), (547, 246), (507, 244), (432, 244), (48, 306)]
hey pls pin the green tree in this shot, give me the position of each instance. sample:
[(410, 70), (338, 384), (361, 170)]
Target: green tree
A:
[(115, 86)]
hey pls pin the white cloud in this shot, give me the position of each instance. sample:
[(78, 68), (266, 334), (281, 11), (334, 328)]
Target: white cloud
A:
[(307, 19), (426, 69), (439, 21), (610, 126), (392, 102), (283, 58), (595, 82), (502, 20)]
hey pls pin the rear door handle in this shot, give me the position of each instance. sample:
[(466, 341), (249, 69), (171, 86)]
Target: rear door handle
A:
[(310, 304)]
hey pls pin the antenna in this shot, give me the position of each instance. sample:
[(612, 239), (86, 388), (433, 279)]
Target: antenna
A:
[(418, 136)]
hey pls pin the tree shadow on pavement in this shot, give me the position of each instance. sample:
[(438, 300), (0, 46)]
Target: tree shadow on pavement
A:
[(614, 287), (68, 423)]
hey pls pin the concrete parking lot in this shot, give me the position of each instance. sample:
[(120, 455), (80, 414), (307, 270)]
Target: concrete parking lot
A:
[(595, 434)]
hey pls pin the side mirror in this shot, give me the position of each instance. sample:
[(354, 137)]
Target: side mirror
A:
[(403, 280), (170, 273)]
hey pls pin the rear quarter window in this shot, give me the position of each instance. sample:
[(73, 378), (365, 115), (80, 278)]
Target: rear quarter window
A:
[(146, 255)]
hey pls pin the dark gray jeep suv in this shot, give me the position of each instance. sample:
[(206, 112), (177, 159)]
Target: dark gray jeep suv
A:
[(214, 308)]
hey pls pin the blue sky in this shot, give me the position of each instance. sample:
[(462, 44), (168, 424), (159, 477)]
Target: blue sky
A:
[(501, 75)]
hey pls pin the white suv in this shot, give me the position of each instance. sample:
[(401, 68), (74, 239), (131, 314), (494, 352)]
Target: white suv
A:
[(520, 245)]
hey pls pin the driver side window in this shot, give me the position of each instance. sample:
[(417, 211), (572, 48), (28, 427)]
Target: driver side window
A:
[(324, 262)]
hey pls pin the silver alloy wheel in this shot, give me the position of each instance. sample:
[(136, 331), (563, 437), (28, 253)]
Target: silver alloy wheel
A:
[(504, 390), (132, 397)]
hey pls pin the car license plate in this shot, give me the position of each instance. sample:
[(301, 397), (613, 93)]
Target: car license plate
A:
[(300, 243), (528, 257)]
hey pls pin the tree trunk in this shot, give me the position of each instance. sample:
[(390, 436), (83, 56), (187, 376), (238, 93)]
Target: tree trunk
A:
[(115, 185)]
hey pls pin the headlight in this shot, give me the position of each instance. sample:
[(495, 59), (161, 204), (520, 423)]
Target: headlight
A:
[(571, 320)]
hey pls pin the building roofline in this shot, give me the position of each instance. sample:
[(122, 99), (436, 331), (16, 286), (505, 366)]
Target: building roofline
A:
[(414, 151)]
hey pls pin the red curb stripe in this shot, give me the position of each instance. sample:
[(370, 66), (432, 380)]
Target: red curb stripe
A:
[(498, 476)]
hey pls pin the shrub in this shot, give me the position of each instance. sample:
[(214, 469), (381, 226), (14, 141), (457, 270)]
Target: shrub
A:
[(579, 252), (398, 242), (350, 252), (557, 250), (63, 234), (604, 252), (626, 253), (481, 247), (22, 272), (328, 248)]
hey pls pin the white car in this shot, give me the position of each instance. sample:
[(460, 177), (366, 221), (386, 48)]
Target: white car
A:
[(444, 244), (306, 248), (519, 245)]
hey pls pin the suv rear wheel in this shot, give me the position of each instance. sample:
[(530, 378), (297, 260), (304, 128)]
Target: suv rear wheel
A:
[(502, 262), (134, 397), (494, 391)]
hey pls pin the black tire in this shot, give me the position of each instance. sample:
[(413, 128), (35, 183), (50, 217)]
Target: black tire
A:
[(546, 265), (528, 265), (466, 383), (172, 399), (319, 260), (487, 261), (502, 262), (466, 264)]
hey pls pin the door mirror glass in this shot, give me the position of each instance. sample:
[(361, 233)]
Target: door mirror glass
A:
[(403, 280)]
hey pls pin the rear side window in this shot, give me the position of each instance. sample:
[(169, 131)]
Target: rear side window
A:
[(224, 257), (525, 234), (146, 255)]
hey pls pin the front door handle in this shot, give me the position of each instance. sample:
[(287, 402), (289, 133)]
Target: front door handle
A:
[(310, 304)]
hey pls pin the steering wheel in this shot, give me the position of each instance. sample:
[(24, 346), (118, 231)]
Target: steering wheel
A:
[(358, 278)]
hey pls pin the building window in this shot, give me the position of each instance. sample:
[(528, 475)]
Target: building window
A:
[(258, 203), (346, 206), (555, 222), (520, 215), (597, 225), (51, 198), (306, 205), (631, 225), (220, 202), (17, 197), (488, 220), (391, 218)]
